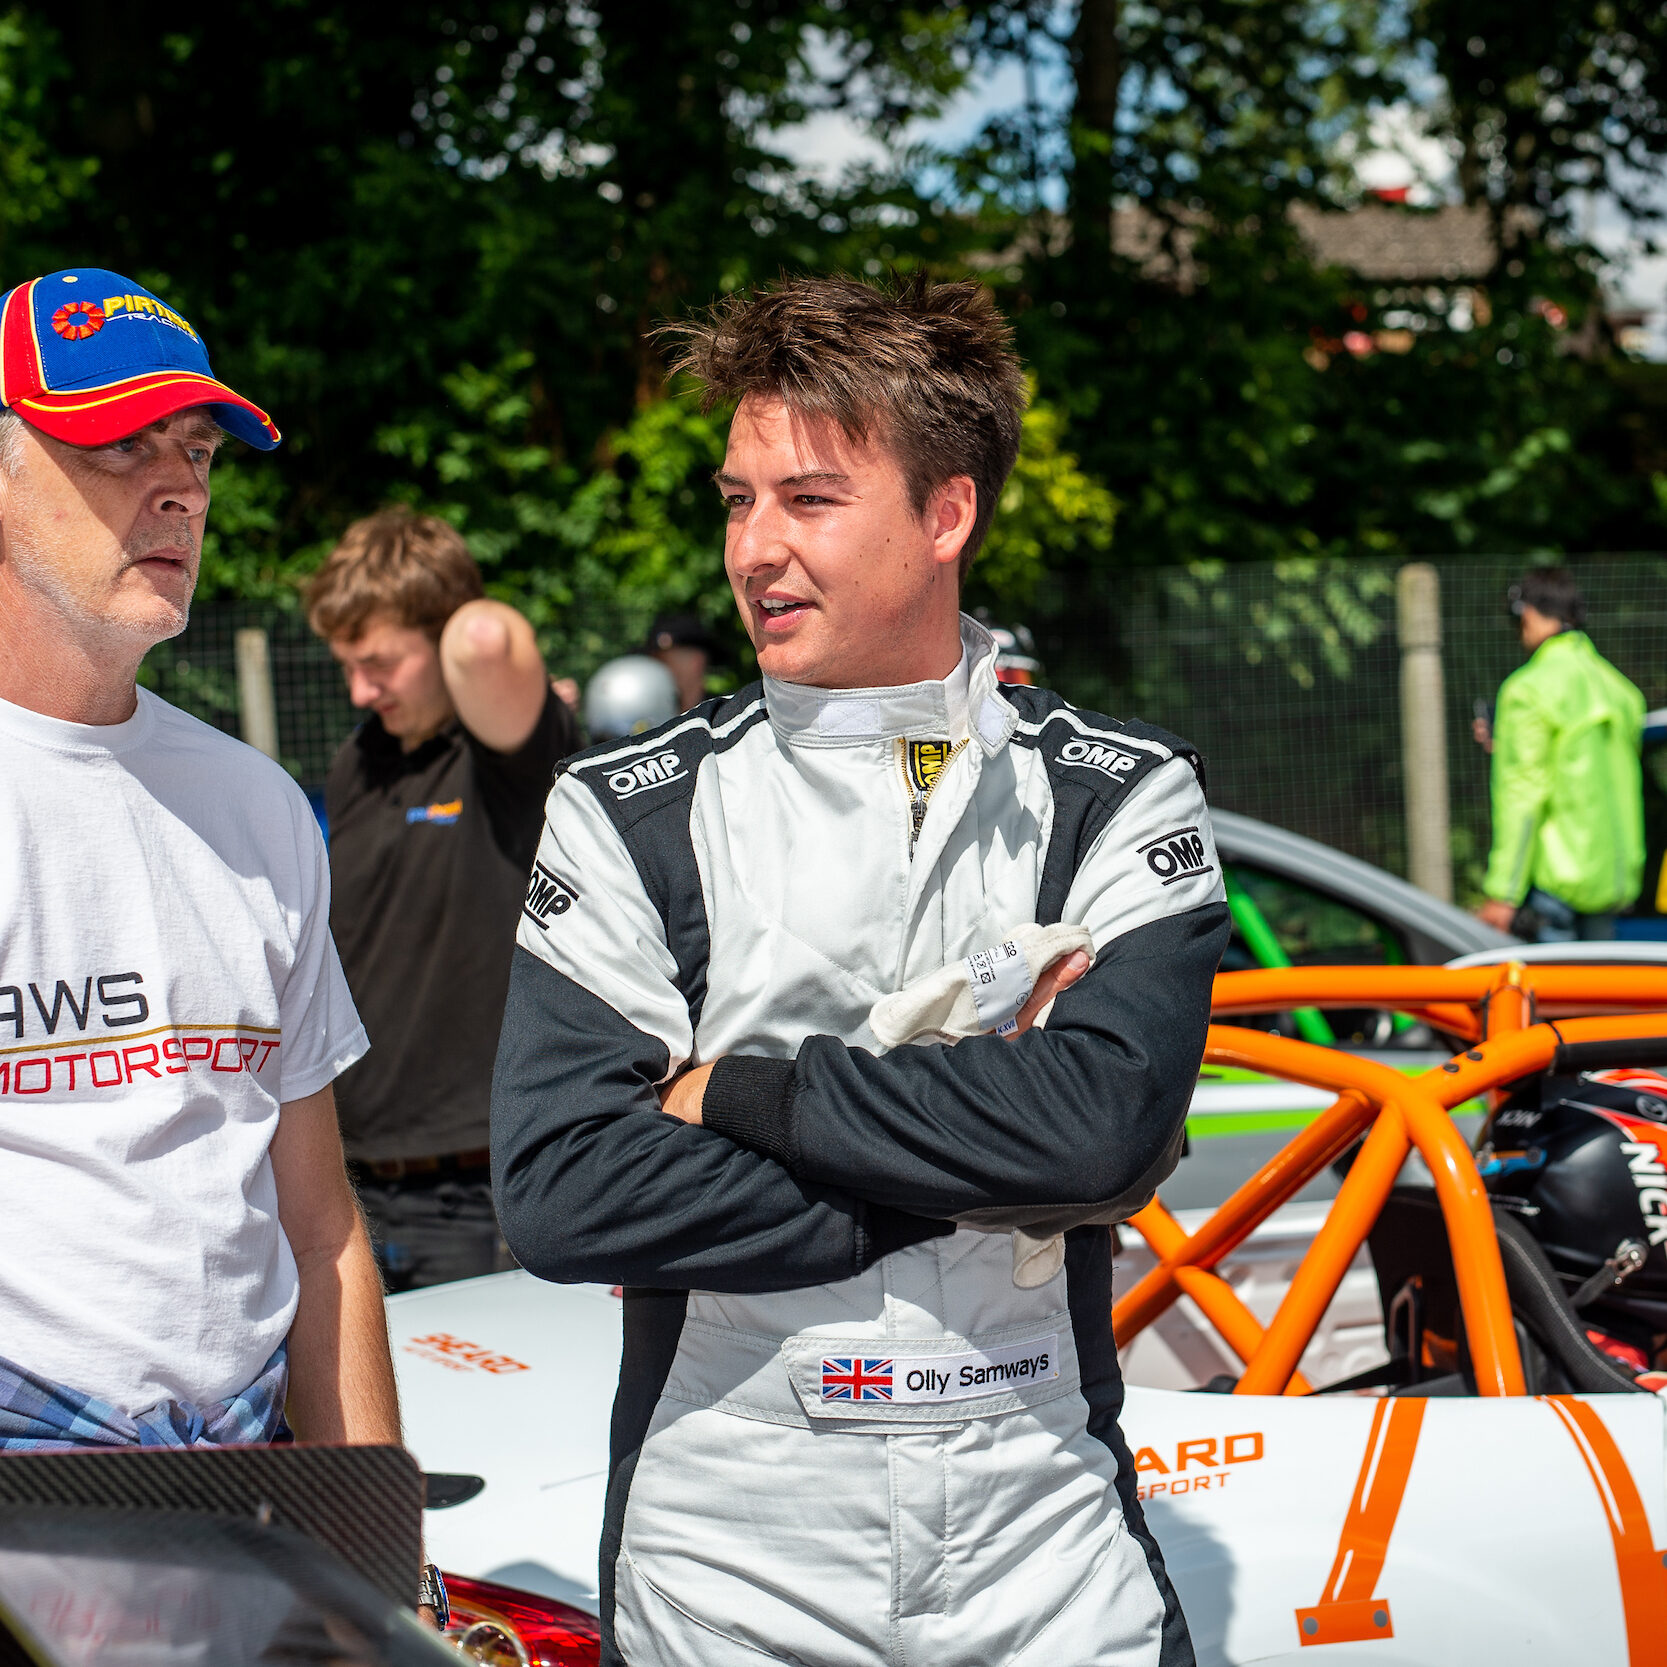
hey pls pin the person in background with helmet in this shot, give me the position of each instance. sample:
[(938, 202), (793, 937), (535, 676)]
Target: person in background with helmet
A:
[(1568, 817), (435, 804), (684, 646)]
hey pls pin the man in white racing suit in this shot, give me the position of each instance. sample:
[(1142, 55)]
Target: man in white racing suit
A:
[(779, 1056)]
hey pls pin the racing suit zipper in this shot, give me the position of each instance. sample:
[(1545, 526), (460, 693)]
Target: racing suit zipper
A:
[(923, 764)]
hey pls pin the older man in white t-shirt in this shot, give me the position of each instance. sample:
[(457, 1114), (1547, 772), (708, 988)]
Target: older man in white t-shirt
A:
[(181, 1259)]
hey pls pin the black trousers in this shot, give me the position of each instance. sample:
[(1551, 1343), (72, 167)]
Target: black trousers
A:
[(428, 1231)]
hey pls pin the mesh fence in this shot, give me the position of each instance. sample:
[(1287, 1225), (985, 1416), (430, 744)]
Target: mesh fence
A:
[(198, 671), (1286, 675)]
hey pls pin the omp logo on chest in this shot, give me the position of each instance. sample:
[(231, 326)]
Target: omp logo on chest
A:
[(1176, 856), (646, 774), (1099, 755), (89, 1034)]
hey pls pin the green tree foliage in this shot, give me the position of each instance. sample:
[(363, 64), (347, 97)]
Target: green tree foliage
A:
[(1539, 102), (434, 239), (1050, 511)]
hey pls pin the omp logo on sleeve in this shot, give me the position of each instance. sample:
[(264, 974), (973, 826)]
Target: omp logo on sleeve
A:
[(659, 771), (548, 895), (444, 814), (1097, 755), (1176, 856)]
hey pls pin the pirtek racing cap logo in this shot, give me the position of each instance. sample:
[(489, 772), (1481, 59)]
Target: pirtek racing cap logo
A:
[(1096, 755), (647, 773), (76, 320), (136, 305)]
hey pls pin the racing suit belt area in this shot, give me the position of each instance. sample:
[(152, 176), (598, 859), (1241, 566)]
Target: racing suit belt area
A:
[(986, 1529), (791, 1480)]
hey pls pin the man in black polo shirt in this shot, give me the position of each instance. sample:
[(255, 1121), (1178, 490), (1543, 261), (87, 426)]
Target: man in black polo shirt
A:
[(435, 807)]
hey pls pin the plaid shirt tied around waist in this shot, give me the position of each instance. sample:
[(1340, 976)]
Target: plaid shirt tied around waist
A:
[(39, 1416)]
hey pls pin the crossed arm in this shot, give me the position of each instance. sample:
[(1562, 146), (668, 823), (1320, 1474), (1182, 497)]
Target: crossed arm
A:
[(826, 1162), (775, 1173), (683, 1095)]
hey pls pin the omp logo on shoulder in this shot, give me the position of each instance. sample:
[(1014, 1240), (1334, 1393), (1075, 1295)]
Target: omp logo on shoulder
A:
[(1176, 856), (548, 895), (1099, 755), (647, 773)]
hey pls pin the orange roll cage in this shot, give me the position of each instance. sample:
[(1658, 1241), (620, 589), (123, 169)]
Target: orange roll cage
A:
[(1507, 1011)]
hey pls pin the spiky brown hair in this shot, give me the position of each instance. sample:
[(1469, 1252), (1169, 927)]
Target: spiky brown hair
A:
[(928, 370)]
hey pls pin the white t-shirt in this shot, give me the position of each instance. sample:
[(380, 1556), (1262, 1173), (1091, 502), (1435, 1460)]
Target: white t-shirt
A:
[(167, 980)]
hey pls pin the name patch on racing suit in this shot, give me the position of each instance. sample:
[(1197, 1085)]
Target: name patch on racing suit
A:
[(936, 1378)]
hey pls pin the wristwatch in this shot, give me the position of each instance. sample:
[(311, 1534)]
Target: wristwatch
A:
[(431, 1590)]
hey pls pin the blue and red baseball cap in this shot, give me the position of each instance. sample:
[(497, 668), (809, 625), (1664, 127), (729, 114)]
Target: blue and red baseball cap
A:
[(88, 357)]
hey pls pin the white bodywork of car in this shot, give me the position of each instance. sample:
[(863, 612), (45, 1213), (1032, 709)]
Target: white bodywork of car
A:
[(1510, 1536), (1349, 1529)]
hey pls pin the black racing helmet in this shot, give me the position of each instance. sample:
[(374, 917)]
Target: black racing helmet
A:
[(1582, 1161)]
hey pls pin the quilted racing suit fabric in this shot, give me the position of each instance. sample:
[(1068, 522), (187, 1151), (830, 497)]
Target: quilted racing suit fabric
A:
[(843, 1434)]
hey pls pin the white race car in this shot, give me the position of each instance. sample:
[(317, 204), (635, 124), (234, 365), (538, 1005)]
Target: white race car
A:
[(1370, 1490)]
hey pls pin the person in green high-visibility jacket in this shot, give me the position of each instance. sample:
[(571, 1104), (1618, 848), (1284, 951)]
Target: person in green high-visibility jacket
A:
[(1568, 816)]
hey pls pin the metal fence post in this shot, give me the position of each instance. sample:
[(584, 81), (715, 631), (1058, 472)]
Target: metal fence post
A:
[(257, 710), (1423, 730)]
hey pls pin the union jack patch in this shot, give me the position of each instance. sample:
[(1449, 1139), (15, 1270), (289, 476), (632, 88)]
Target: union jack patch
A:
[(855, 1378)]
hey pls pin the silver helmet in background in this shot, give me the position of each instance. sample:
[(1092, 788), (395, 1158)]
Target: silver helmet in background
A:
[(627, 696)]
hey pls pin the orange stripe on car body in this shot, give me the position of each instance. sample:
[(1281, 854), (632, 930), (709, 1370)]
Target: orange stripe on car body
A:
[(1347, 1612), (1637, 1562)]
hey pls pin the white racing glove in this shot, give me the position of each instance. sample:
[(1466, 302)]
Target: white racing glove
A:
[(972, 997), (981, 993)]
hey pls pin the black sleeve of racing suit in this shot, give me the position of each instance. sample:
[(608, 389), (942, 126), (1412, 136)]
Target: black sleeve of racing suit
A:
[(1073, 1113), (594, 1182)]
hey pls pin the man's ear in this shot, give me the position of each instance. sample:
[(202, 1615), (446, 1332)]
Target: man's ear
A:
[(951, 514)]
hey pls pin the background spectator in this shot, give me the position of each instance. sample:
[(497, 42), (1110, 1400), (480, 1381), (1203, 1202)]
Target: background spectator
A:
[(181, 1262), (435, 805), (1568, 820)]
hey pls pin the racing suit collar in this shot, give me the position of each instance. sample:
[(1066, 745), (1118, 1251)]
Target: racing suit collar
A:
[(805, 716)]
